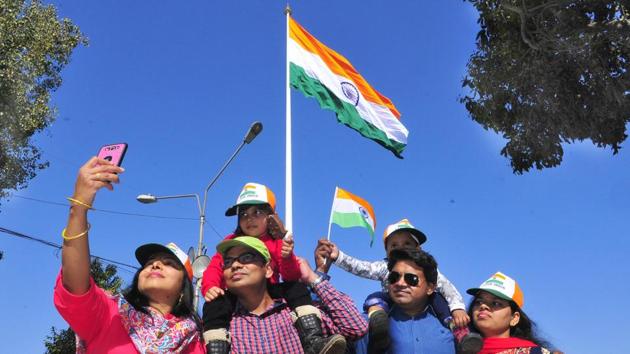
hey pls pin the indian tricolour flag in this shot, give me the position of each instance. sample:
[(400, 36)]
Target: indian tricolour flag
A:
[(322, 73), (349, 210)]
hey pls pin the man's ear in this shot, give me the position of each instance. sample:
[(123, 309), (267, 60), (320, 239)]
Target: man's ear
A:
[(268, 270)]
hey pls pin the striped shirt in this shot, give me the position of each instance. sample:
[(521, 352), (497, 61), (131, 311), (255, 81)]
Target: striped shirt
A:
[(274, 332)]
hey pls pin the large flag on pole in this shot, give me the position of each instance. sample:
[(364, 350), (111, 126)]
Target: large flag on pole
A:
[(349, 210), (322, 73)]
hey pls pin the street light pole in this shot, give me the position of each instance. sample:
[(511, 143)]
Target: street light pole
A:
[(253, 131)]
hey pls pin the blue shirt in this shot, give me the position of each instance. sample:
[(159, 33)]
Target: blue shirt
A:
[(420, 334)]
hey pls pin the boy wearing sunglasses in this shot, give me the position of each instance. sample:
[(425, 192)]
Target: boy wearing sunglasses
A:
[(413, 325), (446, 302)]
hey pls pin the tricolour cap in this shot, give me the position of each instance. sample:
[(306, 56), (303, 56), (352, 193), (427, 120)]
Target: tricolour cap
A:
[(502, 286), (245, 241), (144, 252), (405, 225), (253, 194)]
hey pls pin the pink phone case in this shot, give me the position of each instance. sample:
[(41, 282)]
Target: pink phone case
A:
[(114, 153)]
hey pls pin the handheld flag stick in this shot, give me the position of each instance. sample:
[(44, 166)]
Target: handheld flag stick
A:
[(332, 208)]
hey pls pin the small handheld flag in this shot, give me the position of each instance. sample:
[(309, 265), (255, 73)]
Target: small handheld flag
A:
[(349, 210)]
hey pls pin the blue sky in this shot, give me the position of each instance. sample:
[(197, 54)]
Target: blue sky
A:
[(182, 82)]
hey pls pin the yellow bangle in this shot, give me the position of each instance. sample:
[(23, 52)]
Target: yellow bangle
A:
[(76, 201), (68, 238)]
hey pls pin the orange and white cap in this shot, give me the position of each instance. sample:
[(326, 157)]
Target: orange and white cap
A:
[(253, 194), (405, 225), (500, 285), (144, 253)]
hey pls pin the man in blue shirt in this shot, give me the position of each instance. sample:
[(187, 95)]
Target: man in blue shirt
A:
[(413, 326)]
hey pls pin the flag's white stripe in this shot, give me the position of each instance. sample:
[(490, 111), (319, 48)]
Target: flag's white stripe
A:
[(343, 205), (347, 206), (379, 116)]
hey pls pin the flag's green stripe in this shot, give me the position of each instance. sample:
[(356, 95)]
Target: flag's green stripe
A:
[(346, 113), (351, 220)]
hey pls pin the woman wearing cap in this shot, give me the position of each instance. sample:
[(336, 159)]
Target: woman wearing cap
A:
[(154, 315), (447, 303), (496, 312), (255, 208)]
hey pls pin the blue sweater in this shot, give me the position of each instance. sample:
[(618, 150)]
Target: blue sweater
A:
[(421, 334)]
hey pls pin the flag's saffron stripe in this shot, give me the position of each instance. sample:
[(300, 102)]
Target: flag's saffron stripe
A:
[(346, 112), (343, 194), (338, 65)]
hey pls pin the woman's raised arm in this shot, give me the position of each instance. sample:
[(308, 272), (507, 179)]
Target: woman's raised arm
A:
[(75, 256)]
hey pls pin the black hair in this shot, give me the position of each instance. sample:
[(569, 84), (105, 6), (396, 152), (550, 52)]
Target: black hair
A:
[(421, 258), (264, 207), (525, 328), (183, 308)]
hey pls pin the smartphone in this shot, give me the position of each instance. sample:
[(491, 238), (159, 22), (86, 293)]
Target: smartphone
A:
[(114, 153)]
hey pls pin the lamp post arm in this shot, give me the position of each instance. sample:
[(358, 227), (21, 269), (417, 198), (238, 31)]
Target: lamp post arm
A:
[(225, 165), (205, 195)]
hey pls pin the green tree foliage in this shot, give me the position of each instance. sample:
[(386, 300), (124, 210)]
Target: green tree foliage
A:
[(34, 47), (547, 72), (63, 341)]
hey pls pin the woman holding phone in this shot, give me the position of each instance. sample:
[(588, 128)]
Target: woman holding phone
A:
[(154, 315)]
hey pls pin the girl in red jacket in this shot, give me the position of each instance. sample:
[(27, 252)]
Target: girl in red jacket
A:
[(255, 207)]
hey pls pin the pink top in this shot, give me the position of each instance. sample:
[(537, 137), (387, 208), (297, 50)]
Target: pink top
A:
[(288, 268), (94, 317)]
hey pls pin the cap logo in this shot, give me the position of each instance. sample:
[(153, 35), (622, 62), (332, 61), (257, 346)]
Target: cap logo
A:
[(246, 194), (178, 252), (496, 282), (250, 192)]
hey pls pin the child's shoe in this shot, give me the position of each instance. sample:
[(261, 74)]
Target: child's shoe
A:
[(309, 328), (217, 341), (467, 341), (379, 332)]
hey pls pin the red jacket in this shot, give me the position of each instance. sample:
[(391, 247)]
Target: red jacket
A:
[(288, 268)]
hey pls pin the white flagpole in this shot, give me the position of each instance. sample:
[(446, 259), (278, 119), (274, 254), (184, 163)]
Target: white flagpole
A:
[(331, 213), (288, 201)]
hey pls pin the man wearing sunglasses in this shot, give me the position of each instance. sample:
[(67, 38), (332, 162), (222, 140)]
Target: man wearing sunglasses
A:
[(413, 326), (263, 324)]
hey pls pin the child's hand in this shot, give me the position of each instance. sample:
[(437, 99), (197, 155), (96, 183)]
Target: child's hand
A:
[(213, 293), (460, 318), (327, 249), (325, 253), (287, 246), (275, 226)]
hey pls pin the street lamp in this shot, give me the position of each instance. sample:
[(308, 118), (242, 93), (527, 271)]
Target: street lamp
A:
[(253, 131)]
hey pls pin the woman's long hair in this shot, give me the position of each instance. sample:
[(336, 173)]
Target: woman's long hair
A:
[(183, 308), (524, 329)]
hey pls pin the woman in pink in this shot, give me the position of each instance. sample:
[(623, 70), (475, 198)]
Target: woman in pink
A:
[(155, 315)]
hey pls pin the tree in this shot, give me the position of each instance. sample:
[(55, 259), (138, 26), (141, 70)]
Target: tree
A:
[(547, 72), (34, 47), (63, 341)]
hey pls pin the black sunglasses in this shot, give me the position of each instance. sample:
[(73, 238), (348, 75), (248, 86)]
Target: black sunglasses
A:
[(410, 278), (243, 258)]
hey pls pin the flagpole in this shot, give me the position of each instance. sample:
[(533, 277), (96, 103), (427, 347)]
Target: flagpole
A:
[(288, 201), (332, 207)]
